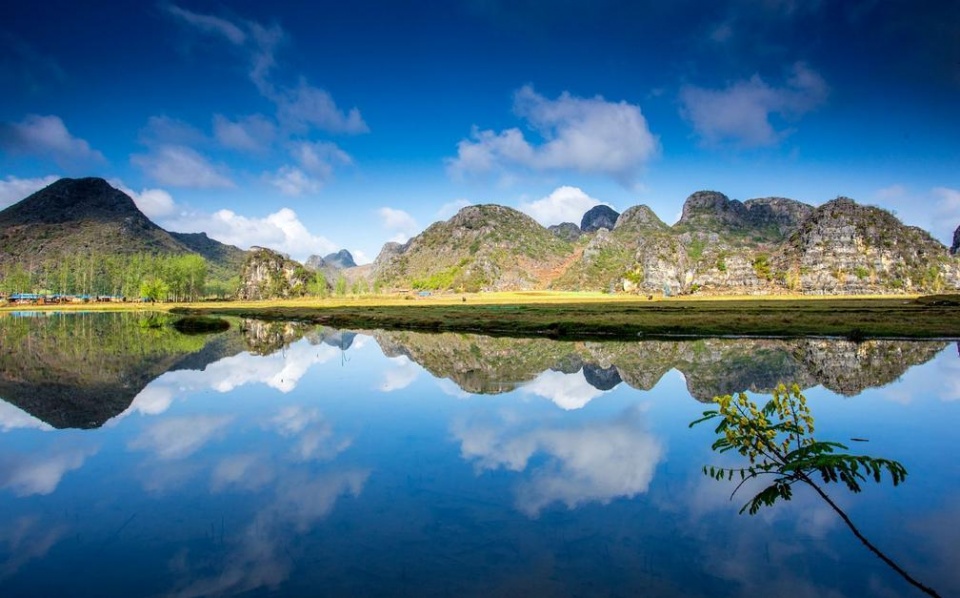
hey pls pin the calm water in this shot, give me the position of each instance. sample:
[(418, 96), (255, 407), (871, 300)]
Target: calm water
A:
[(285, 460)]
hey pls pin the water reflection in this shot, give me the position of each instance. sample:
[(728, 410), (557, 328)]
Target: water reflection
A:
[(296, 460), (594, 461)]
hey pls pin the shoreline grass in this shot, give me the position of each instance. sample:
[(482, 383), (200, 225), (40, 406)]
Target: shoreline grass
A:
[(574, 316)]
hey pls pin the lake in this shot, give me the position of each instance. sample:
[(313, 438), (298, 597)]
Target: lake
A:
[(290, 460)]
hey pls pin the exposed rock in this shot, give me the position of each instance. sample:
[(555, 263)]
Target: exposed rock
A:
[(598, 217), (267, 274), (843, 247), (566, 231), (956, 242)]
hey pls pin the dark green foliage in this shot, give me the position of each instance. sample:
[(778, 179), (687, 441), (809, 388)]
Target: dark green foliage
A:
[(777, 440)]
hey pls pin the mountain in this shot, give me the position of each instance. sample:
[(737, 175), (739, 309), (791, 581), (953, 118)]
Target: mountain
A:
[(86, 216), (598, 217), (335, 265), (481, 247), (340, 259), (766, 245), (719, 245)]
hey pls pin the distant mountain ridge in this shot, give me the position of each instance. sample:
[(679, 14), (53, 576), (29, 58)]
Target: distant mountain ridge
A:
[(719, 245)]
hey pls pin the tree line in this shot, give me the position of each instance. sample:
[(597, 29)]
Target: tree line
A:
[(148, 276)]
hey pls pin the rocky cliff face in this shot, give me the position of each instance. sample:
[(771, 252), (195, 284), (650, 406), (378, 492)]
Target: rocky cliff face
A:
[(267, 274), (955, 246), (843, 247), (599, 217)]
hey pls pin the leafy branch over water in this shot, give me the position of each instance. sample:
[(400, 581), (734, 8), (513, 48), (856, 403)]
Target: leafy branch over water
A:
[(778, 440)]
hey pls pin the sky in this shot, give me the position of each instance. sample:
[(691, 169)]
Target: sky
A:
[(309, 127)]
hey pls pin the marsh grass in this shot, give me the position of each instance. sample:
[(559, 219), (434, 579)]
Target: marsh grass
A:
[(590, 315)]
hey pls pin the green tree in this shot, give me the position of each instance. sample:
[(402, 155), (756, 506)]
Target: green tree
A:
[(778, 441), (318, 285), (341, 286), (154, 289)]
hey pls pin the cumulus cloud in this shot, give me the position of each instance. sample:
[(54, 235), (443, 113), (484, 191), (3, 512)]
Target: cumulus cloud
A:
[(589, 135), (13, 189), (400, 223), (564, 204), (253, 133), (47, 137), (181, 166), (155, 203), (740, 114)]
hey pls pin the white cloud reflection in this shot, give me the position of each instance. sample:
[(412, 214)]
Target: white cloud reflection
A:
[(589, 461), (567, 391), (40, 472)]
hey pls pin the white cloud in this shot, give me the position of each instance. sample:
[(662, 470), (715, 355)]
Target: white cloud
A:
[(564, 204), (181, 166), (155, 203), (360, 257), (13, 189), (305, 107), (48, 137), (588, 135), (253, 133), (400, 223), (319, 158), (449, 209), (567, 391), (740, 113), (210, 24), (294, 182)]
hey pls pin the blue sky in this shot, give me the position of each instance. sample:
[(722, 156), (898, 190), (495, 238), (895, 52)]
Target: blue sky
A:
[(311, 126)]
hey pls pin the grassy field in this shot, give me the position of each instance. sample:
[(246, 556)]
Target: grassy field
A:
[(577, 315), (592, 315)]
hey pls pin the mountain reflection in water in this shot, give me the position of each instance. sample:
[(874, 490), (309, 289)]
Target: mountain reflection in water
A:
[(80, 370), (294, 460)]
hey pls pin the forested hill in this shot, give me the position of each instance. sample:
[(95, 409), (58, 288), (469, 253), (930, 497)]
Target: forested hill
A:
[(85, 236)]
